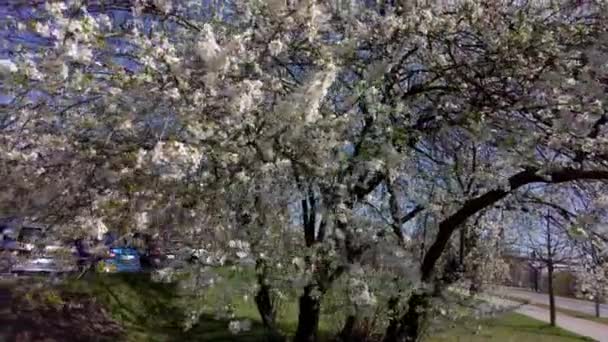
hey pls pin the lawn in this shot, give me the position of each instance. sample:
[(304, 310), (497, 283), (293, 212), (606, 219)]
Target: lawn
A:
[(509, 327), (152, 312)]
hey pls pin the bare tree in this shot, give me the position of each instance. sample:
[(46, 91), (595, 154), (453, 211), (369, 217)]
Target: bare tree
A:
[(550, 246)]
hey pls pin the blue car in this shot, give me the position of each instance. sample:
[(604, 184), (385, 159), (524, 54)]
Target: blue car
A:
[(121, 259)]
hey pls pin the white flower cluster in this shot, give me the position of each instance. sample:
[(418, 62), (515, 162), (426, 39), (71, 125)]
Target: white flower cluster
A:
[(298, 263), (7, 67), (316, 92), (242, 248), (361, 294), (93, 226), (250, 96), (16, 155), (172, 160), (237, 327), (275, 47), (165, 275), (142, 220), (210, 52)]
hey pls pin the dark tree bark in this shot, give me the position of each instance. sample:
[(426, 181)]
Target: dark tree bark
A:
[(411, 324), (263, 299), (348, 331), (461, 252), (551, 293), (308, 317), (598, 301), (393, 324)]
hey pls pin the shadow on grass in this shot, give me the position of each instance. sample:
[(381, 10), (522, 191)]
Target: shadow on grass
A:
[(212, 329), (152, 311)]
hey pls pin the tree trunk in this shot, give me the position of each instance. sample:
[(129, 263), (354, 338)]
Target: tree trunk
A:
[(463, 236), (411, 324), (263, 300), (348, 331), (551, 293), (308, 317), (264, 305), (598, 300), (393, 325)]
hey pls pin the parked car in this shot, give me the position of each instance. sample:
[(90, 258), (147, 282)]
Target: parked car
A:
[(47, 264), (120, 259), (22, 242), (8, 243)]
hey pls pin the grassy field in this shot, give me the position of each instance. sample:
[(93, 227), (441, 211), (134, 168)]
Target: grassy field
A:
[(153, 312), (510, 327)]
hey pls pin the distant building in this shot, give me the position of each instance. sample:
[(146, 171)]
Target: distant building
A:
[(527, 273)]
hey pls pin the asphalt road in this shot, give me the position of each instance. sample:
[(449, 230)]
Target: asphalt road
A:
[(583, 327), (582, 306), (596, 331)]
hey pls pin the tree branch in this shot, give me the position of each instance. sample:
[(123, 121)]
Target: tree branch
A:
[(469, 208)]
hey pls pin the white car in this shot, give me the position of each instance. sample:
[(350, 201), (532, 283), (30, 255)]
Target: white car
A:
[(43, 264)]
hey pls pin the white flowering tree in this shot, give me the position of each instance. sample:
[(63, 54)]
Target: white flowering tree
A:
[(230, 120)]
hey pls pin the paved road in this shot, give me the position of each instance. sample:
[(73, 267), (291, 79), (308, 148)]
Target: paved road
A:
[(596, 331), (593, 330), (583, 306)]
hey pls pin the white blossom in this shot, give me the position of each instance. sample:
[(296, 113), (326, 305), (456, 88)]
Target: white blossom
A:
[(298, 262), (7, 66), (55, 7), (237, 327), (43, 29), (142, 220), (171, 160), (251, 94), (209, 50), (104, 21), (275, 47), (173, 93), (79, 52), (317, 89), (164, 6)]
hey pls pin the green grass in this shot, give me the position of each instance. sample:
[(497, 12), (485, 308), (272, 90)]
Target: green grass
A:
[(153, 312), (510, 327)]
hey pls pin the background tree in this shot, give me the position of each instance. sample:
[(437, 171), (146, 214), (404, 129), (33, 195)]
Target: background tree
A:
[(551, 246)]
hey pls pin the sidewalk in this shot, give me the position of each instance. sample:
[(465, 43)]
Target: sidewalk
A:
[(596, 331), (593, 330), (582, 306)]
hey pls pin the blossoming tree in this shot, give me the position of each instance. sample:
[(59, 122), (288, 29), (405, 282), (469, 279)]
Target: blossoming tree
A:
[(230, 119)]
